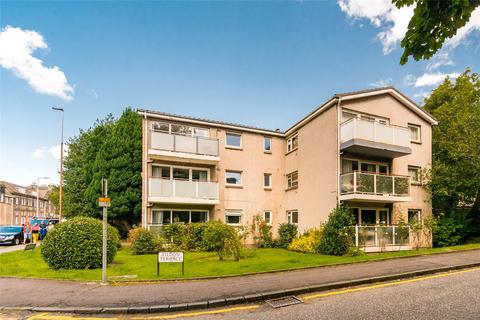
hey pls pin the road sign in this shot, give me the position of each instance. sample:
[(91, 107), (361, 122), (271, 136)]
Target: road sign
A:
[(176, 257), (104, 202)]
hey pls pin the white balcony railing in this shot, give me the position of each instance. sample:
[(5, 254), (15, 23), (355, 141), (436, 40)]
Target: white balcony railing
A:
[(382, 236), (168, 188), (185, 144), (375, 132), (374, 184)]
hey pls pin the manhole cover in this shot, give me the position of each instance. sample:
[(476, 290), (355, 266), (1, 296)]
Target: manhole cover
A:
[(284, 302)]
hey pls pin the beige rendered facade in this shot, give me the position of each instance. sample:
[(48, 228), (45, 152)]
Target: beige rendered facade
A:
[(365, 149)]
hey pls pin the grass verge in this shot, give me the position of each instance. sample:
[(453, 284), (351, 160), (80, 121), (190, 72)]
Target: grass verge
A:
[(197, 264)]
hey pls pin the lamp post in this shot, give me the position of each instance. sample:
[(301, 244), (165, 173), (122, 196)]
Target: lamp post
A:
[(61, 171), (37, 181)]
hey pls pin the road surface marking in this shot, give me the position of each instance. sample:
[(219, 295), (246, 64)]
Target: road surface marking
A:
[(46, 316), (200, 313), (383, 285)]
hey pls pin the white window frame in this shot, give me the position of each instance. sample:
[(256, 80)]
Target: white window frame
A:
[(269, 222), (265, 139), (377, 214), (191, 129), (207, 214), (365, 116), (269, 186), (419, 128), (292, 184), (419, 174), (290, 146), (376, 163), (229, 146), (234, 184), (236, 213), (418, 213), (190, 169), (290, 217)]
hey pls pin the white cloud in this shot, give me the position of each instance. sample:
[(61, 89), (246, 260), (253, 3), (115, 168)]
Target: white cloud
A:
[(381, 13), (428, 79), (39, 153), (55, 151), (461, 37), (439, 60), (382, 82), (422, 95), (16, 49)]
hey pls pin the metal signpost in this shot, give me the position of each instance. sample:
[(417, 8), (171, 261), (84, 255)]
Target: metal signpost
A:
[(170, 257), (104, 202)]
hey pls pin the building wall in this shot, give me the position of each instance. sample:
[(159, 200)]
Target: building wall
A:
[(6, 214)]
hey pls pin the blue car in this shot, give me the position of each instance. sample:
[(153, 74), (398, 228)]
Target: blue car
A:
[(11, 235)]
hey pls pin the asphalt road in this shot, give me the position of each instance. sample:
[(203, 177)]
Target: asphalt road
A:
[(454, 295)]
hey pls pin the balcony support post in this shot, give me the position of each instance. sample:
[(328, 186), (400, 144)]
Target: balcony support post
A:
[(376, 236), (355, 182), (356, 236), (393, 185), (375, 183), (393, 235), (174, 187), (196, 189)]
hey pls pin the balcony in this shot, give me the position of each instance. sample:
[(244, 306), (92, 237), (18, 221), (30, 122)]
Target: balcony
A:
[(374, 187), (182, 191), (172, 146), (382, 238), (374, 139)]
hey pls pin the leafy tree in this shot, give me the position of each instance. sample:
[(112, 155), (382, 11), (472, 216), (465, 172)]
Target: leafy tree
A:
[(337, 235), (113, 150), (455, 176), (432, 23)]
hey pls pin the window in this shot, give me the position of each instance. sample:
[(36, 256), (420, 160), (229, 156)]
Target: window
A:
[(414, 216), (267, 144), (199, 175), (161, 127), (234, 140), (180, 129), (267, 180), (292, 216), (233, 178), (181, 173), (292, 180), (292, 143), (348, 115), (233, 217), (351, 165), (160, 216), (161, 172), (414, 133), (414, 173), (267, 217)]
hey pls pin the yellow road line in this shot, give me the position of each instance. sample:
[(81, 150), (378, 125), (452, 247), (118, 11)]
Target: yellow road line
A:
[(200, 313), (383, 285), (46, 316)]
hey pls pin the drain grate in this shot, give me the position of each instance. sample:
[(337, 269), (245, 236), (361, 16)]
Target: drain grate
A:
[(284, 302)]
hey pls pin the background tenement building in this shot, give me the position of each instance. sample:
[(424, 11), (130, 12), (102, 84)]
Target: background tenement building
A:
[(366, 149)]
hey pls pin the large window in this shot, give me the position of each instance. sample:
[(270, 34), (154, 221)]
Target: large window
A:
[(233, 217), (292, 180), (180, 173), (415, 175), (267, 144), (348, 115), (233, 178), (233, 140), (267, 180), (414, 216), (292, 216), (371, 216), (351, 165), (414, 133), (292, 143), (162, 217), (180, 129)]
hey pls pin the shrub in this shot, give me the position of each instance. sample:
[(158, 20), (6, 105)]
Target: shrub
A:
[(77, 244), (445, 232), (307, 242), (174, 233), (337, 234), (145, 242), (192, 237), (261, 232), (133, 233), (221, 238), (287, 233)]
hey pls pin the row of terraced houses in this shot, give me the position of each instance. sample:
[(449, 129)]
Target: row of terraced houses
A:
[(365, 149)]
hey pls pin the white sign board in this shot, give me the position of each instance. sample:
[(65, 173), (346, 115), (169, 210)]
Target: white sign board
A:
[(170, 257)]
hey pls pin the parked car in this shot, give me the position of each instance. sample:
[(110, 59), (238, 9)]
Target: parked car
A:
[(11, 235)]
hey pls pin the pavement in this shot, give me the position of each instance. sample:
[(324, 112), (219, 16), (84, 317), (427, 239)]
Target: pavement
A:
[(11, 248), (92, 297)]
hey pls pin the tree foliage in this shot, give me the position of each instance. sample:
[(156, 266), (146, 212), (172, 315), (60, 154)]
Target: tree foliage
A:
[(432, 23), (111, 149), (455, 176)]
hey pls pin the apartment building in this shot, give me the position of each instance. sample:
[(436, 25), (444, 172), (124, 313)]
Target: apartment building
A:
[(18, 204), (366, 149)]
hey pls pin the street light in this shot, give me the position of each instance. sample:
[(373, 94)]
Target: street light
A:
[(37, 189), (61, 170)]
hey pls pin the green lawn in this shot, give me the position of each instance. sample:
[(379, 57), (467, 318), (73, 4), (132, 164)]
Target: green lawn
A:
[(201, 264)]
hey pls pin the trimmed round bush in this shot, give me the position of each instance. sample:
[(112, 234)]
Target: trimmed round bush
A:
[(77, 244), (145, 242)]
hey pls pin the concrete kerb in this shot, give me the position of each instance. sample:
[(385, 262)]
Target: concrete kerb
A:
[(256, 297)]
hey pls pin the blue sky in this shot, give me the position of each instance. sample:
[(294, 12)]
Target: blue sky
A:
[(265, 64)]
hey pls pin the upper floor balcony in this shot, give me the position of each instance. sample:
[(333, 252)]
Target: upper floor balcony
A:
[(182, 191), (374, 138), (374, 187), (174, 146)]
